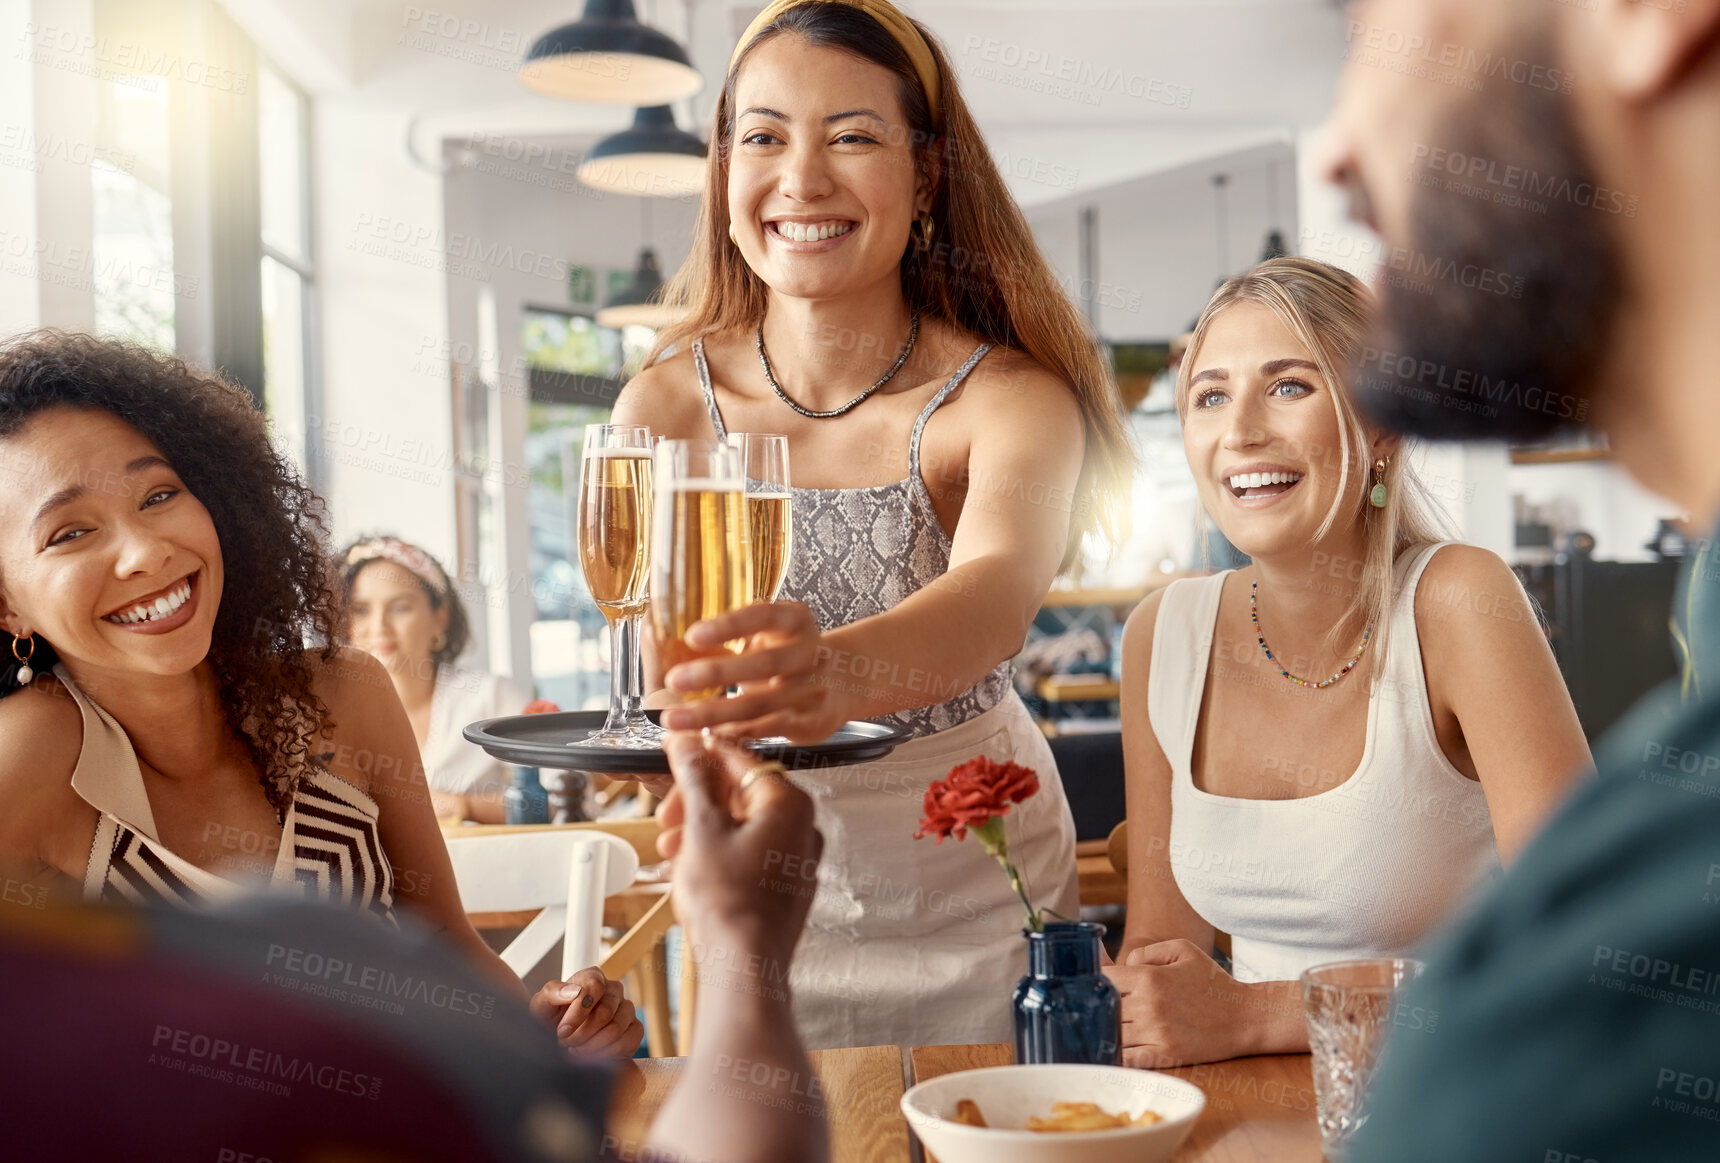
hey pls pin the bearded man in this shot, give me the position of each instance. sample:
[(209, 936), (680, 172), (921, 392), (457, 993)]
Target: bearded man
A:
[(1571, 148)]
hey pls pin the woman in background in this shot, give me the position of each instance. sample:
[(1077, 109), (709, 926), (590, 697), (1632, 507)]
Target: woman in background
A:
[(1332, 746), (400, 607)]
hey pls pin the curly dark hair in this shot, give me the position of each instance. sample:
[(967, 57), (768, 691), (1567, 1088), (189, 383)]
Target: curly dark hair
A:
[(272, 528), (459, 631)]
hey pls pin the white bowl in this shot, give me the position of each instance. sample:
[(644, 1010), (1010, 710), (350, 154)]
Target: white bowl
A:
[(1009, 1095)]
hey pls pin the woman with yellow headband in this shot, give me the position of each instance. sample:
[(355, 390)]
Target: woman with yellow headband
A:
[(862, 281)]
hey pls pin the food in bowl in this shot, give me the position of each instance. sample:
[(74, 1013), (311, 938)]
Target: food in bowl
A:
[(1007, 1097), (968, 1114), (1066, 1118)]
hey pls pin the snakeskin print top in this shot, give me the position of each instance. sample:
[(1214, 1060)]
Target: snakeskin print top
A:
[(858, 552)]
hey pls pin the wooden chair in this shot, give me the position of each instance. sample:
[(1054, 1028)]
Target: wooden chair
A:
[(645, 910)]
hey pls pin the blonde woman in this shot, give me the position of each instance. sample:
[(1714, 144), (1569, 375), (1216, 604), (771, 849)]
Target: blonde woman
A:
[(862, 282), (1333, 746)]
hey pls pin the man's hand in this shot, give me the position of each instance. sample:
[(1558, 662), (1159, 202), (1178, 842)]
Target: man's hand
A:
[(781, 691), (591, 1014), (745, 858)]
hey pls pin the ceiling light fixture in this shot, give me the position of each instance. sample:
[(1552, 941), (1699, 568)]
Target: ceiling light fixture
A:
[(608, 56), (653, 159)]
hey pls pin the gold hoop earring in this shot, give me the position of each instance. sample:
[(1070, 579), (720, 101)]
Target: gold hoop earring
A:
[(1377, 495), (923, 236), (25, 674)]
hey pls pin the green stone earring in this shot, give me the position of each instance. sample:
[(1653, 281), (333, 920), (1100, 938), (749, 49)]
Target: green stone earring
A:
[(1377, 495)]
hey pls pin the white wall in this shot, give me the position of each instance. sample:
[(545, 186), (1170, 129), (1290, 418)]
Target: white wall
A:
[(519, 220), (1600, 497), (48, 132), (1158, 253), (383, 426), (1469, 484), (20, 307)]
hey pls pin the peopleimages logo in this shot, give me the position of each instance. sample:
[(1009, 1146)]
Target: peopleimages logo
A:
[(1456, 57), (1395, 368), (1515, 179), (339, 973), (254, 1066)]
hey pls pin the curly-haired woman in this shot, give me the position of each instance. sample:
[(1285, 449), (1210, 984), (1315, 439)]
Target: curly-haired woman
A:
[(176, 722)]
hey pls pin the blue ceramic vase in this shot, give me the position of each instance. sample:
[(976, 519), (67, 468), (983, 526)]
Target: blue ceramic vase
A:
[(1065, 1009)]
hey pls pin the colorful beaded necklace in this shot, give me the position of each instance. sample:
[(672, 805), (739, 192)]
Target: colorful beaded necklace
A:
[(1254, 616)]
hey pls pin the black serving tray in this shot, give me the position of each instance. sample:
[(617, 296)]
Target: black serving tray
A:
[(553, 741)]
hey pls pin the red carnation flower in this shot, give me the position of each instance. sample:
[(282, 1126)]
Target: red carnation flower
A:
[(975, 797), (973, 793)]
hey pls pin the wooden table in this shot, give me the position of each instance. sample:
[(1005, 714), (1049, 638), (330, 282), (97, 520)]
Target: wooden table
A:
[(862, 1090), (1257, 1109)]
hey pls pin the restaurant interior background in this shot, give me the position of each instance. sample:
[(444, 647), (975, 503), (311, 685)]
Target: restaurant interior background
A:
[(358, 210)]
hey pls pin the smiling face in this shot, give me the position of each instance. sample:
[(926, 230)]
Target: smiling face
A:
[(392, 618), (1261, 433), (822, 181), (103, 550)]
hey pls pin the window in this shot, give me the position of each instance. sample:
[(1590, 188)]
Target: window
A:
[(288, 276), (132, 239), (576, 367)]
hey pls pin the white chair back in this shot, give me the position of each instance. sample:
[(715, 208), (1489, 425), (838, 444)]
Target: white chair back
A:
[(566, 874)]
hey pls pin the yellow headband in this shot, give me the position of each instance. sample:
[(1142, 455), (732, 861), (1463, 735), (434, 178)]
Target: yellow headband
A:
[(885, 13)]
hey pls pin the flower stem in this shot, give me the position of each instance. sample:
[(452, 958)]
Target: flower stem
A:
[(991, 836), (1034, 921)]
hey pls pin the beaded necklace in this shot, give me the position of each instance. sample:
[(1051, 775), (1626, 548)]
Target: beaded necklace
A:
[(1254, 616)]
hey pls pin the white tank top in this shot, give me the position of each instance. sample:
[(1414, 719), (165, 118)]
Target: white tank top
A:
[(1364, 869)]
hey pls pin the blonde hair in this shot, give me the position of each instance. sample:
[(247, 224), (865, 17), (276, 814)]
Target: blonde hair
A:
[(984, 272), (1329, 310)]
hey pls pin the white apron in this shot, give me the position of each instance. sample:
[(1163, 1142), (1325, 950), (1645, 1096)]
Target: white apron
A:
[(910, 941)]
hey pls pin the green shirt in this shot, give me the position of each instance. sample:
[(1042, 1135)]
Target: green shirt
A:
[(1579, 1007)]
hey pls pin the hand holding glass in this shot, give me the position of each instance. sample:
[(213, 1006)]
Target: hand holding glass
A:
[(701, 548)]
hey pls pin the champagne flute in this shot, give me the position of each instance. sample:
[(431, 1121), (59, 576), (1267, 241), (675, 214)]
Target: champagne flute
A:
[(701, 556), (614, 547), (770, 503)]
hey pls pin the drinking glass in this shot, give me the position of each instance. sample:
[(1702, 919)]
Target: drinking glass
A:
[(614, 547), (770, 503), (1350, 1006), (701, 549)]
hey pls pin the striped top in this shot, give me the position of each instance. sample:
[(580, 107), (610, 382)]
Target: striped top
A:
[(859, 552), (328, 848)]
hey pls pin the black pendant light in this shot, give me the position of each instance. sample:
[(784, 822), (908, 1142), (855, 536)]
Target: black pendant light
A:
[(1274, 246), (608, 56), (653, 159), (640, 302)]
